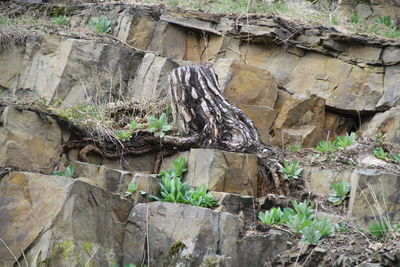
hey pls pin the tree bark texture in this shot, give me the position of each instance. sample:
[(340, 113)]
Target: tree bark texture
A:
[(200, 108)]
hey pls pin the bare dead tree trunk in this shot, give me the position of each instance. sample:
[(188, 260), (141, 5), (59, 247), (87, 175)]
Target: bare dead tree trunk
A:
[(200, 108)]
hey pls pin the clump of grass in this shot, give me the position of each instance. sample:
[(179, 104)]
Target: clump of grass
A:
[(100, 25), (61, 21)]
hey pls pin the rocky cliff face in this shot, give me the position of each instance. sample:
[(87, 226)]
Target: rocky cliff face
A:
[(298, 84)]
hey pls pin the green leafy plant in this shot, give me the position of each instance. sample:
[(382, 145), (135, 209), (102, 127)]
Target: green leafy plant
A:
[(340, 192), (132, 187), (61, 21), (324, 226), (355, 18), (387, 21), (298, 222), (100, 25), (173, 190), (294, 148), (273, 216), (341, 227), (69, 171), (123, 135), (395, 157), (291, 170), (200, 197), (311, 236), (133, 125), (303, 209), (159, 126), (380, 153), (325, 147), (341, 142), (379, 229)]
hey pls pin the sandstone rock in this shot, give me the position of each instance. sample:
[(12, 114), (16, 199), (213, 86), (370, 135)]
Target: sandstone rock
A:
[(28, 141), (74, 70), (344, 86), (387, 123), (147, 183), (256, 250), (89, 226), (365, 53), (180, 235), (130, 163), (269, 57), (223, 171), (300, 120), (319, 180), (235, 204), (263, 118), (365, 11), (112, 180), (391, 55), (245, 84), (29, 202), (374, 193), (169, 40), (336, 124), (151, 79), (136, 29), (14, 56), (391, 94)]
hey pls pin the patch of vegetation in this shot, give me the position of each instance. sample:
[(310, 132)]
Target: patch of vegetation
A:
[(341, 142), (61, 21), (173, 190), (395, 157), (159, 126), (380, 153), (300, 220), (132, 187), (100, 25), (386, 21), (81, 112), (382, 228), (133, 125), (341, 191), (123, 135), (69, 171), (325, 147), (294, 148), (200, 197), (291, 170), (272, 216)]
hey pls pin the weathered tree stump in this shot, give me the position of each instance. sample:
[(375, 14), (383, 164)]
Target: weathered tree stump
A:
[(200, 108)]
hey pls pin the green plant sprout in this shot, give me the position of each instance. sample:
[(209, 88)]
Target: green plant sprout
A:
[(133, 125), (100, 25), (340, 192), (291, 170), (325, 147), (159, 126), (61, 21), (273, 216), (69, 171), (132, 187), (123, 135), (380, 153)]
